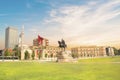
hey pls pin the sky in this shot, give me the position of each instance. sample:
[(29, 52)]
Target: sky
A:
[(78, 22)]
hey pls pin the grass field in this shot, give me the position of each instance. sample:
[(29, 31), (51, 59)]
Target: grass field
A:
[(103, 59), (89, 69)]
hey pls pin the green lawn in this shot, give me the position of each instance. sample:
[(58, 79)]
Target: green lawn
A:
[(104, 59), (83, 70)]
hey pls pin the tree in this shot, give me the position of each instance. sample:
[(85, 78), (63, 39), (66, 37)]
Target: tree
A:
[(27, 56), (7, 53), (116, 51), (33, 55), (19, 54), (75, 55), (51, 55), (17, 51), (39, 55), (46, 55)]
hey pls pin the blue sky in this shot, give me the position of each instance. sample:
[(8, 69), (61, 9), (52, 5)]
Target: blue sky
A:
[(79, 22)]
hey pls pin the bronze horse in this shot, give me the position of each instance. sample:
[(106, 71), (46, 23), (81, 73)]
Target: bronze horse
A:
[(62, 44)]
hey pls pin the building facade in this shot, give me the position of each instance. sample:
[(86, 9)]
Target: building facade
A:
[(45, 52), (24, 49), (45, 42), (91, 51), (11, 37)]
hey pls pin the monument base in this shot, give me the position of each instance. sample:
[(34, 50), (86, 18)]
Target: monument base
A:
[(64, 56)]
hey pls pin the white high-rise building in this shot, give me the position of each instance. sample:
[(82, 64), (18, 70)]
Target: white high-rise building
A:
[(11, 37)]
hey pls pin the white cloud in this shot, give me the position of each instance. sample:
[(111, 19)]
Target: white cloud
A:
[(84, 24)]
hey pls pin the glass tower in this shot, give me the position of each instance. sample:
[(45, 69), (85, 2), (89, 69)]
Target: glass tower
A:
[(11, 37)]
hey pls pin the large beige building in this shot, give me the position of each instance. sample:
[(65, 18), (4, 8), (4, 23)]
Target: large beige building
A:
[(45, 51), (92, 51)]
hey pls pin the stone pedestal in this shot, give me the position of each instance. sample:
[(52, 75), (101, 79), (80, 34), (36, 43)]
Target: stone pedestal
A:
[(64, 56)]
